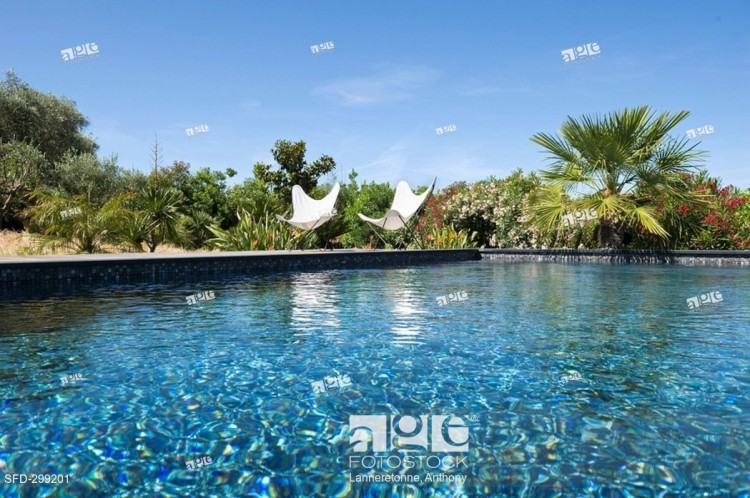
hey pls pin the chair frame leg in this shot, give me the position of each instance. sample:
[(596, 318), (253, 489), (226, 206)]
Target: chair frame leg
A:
[(408, 228), (411, 232), (311, 229), (372, 227)]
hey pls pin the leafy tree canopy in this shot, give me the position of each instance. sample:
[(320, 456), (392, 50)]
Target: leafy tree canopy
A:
[(86, 175), (20, 167), (50, 123), (293, 169)]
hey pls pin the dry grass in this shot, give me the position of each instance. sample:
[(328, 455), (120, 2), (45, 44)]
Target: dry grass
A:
[(26, 244)]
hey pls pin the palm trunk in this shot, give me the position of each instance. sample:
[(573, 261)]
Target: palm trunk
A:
[(611, 234)]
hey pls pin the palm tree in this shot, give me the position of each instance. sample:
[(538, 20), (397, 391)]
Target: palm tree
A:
[(620, 165), (74, 221)]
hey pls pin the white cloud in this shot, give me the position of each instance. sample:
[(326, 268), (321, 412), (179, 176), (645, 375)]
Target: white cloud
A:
[(387, 84), (388, 165)]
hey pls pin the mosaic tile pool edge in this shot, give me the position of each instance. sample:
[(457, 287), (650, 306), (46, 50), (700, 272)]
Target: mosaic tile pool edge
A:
[(153, 268), (686, 258), (148, 268)]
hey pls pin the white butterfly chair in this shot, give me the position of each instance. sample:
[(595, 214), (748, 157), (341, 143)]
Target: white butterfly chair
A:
[(308, 213), (406, 204)]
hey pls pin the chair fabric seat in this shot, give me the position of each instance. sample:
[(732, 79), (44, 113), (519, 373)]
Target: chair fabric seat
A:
[(309, 213)]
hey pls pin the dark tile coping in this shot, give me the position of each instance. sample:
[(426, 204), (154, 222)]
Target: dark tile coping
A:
[(679, 257), (37, 275), (165, 268)]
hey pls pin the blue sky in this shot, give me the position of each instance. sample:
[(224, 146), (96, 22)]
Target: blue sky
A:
[(398, 71)]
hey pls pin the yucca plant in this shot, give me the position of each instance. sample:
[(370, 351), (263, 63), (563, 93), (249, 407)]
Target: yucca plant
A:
[(447, 237), (131, 228), (621, 165), (261, 234), (161, 206), (196, 226)]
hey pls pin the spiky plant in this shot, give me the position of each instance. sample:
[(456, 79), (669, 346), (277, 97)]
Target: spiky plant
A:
[(254, 234), (161, 206), (447, 237)]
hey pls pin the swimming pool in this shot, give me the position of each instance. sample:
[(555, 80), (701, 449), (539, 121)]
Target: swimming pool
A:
[(542, 380)]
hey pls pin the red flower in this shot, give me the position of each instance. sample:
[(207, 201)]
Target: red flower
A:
[(683, 209), (713, 220), (736, 202)]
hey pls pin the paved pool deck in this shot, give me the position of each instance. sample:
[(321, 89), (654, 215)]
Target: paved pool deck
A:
[(74, 258)]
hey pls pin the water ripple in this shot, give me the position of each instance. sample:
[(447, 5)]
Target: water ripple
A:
[(577, 381)]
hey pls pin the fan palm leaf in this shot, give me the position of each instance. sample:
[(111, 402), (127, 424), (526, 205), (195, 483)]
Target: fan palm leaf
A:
[(621, 164)]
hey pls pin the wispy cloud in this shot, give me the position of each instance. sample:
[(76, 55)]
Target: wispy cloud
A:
[(477, 88), (388, 84), (391, 161), (407, 160)]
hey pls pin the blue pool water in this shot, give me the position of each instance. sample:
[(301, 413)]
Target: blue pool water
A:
[(572, 380)]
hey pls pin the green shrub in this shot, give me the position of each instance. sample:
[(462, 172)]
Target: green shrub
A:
[(253, 196), (21, 166), (86, 175), (74, 222), (447, 237), (495, 210), (254, 234)]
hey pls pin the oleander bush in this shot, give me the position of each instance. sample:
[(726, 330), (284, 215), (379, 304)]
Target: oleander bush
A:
[(494, 209), (715, 217)]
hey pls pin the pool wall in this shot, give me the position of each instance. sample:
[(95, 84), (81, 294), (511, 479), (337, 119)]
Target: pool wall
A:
[(611, 256), (65, 271), (156, 268)]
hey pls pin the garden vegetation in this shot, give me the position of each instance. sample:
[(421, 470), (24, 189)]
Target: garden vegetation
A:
[(620, 180)]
